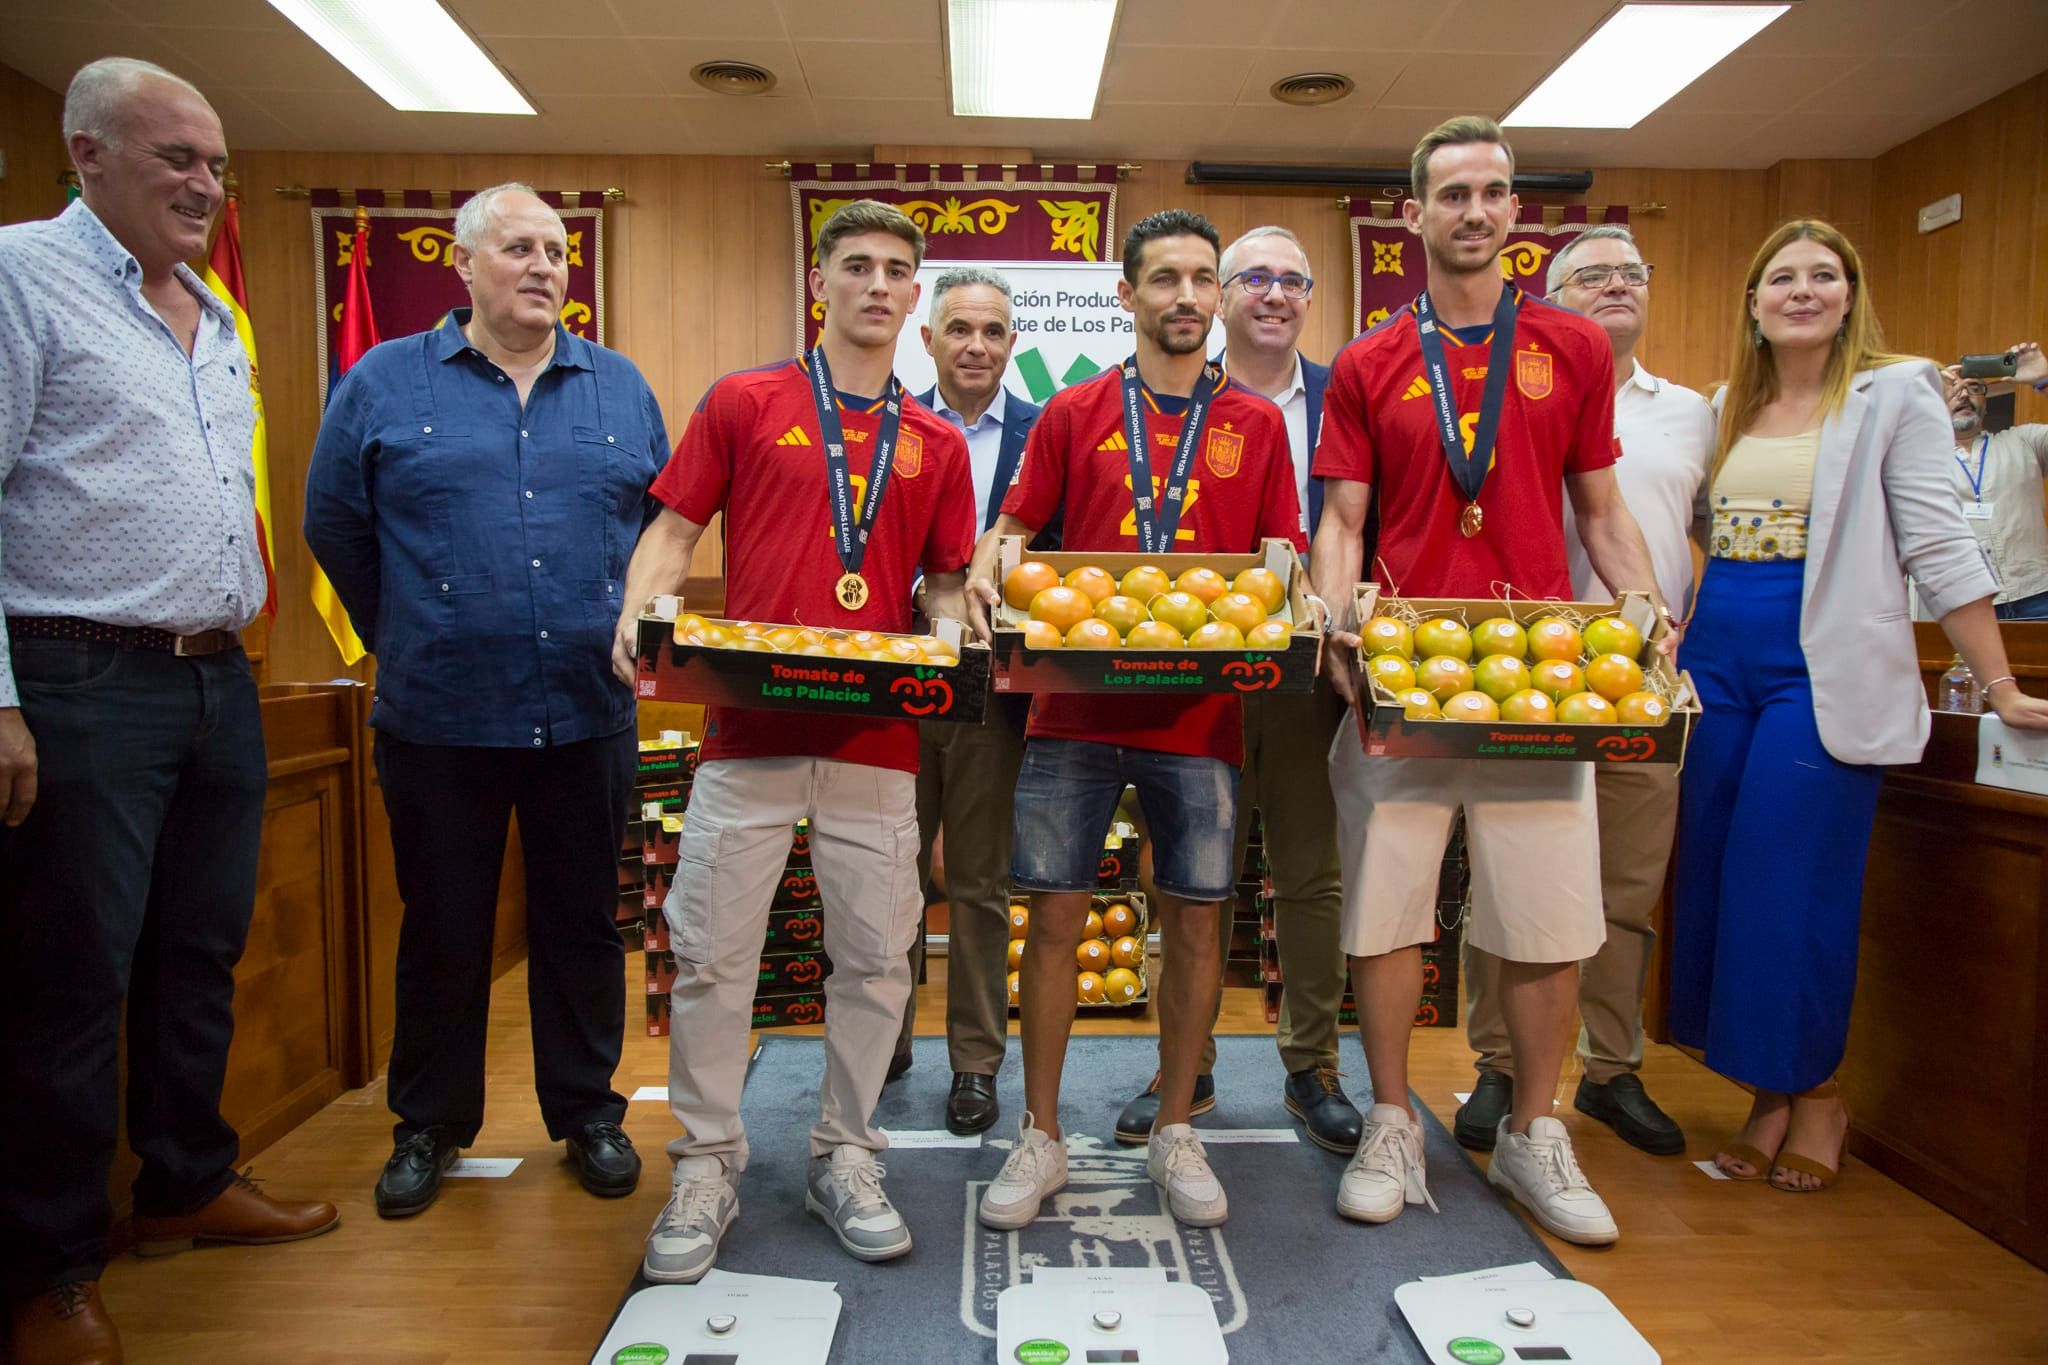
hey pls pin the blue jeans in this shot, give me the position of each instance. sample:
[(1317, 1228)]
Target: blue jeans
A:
[(1066, 796), (2034, 608), (133, 877)]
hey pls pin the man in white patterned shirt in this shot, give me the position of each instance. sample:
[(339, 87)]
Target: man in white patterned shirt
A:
[(132, 769)]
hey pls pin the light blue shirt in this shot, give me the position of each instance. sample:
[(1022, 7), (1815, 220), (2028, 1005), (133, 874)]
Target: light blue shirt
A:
[(984, 445), (127, 495)]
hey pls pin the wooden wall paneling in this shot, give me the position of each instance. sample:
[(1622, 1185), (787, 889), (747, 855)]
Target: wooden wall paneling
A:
[(31, 117)]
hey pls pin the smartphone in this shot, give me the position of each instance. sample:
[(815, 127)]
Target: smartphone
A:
[(1990, 366)]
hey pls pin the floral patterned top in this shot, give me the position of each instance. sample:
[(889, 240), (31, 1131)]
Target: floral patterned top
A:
[(1761, 498)]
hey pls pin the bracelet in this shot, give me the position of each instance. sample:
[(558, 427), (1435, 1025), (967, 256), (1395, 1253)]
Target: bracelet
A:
[(1996, 681)]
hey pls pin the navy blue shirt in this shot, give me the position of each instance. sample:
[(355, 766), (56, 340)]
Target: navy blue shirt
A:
[(481, 549)]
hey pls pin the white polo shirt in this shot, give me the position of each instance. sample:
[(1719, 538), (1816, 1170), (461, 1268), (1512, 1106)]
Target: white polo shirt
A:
[(1667, 448), (2015, 535)]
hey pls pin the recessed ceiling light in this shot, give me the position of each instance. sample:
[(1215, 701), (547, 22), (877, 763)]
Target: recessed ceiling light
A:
[(1311, 87), (1638, 59), (410, 52), (1028, 58)]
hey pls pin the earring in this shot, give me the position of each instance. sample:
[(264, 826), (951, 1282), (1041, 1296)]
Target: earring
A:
[(1756, 335)]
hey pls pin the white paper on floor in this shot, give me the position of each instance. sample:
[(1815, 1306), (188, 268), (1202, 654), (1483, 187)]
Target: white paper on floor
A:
[(1712, 1171), (485, 1167), (1211, 1136), (912, 1139), (657, 1093)]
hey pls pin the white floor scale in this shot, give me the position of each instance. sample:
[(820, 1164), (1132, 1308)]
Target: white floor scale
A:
[(725, 1320), (1106, 1317), (1517, 1314)]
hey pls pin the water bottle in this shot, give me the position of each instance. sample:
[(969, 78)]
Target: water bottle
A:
[(1959, 690)]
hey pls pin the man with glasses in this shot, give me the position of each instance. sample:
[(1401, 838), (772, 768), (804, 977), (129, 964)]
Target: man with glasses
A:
[(1667, 444), (1265, 302), (1998, 476)]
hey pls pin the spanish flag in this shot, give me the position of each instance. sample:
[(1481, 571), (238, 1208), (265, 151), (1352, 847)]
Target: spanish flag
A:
[(358, 333), (224, 278)]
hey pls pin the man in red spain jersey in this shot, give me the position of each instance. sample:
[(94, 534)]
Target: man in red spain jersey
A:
[(836, 488), (1472, 414), (1218, 478)]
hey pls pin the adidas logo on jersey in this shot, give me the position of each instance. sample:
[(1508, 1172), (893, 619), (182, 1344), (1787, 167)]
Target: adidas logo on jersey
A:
[(795, 436), (1418, 387), (1115, 442)]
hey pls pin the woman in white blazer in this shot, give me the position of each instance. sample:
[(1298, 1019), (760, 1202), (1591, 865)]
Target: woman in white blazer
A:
[(1830, 480)]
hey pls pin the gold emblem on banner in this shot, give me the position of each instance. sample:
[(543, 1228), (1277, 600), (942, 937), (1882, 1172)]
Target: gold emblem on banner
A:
[(909, 458), (1386, 258), (430, 245), (954, 218), (1076, 226), (1224, 452), (1532, 374), (576, 317), (1522, 258), (1375, 318)]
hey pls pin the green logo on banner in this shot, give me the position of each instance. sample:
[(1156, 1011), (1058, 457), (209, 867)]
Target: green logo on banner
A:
[(1042, 1351), (640, 1353), (1475, 1351)]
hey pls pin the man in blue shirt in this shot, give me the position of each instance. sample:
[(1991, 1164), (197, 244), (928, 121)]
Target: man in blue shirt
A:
[(474, 496)]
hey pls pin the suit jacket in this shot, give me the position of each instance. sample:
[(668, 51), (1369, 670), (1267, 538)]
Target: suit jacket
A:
[(1314, 379), (1018, 419), (1881, 504)]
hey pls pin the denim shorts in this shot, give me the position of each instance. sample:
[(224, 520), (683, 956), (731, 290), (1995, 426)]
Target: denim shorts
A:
[(1067, 792)]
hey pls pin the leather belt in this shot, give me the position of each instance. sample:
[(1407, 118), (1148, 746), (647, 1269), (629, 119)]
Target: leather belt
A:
[(126, 637)]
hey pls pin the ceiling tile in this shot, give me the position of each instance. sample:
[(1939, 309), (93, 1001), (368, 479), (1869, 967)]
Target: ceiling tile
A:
[(1387, 136), (770, 126), (859, 124), (283, 59), (50, 51), (1478, 82), (1182, 23), (667, 19), (240, 14), (1826, 31), (1749, 81), (620, 123), (534, 18), (544, 67), (869, 20), (1551, 29), (1277, 131), (1372, 72), (857, 71), (1137, 74), (671, 60), (1354, 25)]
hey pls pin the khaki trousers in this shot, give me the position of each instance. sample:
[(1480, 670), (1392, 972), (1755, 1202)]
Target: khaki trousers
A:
[(735, 843), (1286, 777), (1638, 819), (967, 776)]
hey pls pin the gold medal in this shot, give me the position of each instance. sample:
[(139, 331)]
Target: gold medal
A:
[(1470, 520), (852, 590)]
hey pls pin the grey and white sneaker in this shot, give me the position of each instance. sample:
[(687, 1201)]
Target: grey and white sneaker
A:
[(1177, 1164), (684, 1240), (1386, 1172), (845, 1190), (1033, 1172), (1540, 1171)]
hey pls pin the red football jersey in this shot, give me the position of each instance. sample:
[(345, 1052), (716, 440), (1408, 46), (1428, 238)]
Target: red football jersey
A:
[(1241, 491), (753, 451), (1380, 427)]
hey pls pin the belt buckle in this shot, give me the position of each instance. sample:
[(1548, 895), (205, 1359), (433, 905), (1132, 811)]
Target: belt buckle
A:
[(178, 645)]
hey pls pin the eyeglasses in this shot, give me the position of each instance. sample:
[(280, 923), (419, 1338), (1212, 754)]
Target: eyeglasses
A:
[(1597, 276), (1257, 282), (1975, 388)]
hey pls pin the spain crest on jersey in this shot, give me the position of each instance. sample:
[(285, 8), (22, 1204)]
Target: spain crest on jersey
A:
[(909, 458), (1532, 374), (1224, 452)]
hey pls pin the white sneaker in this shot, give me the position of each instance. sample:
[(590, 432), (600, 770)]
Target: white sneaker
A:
[(1177, 1164), (1385, 1172), (1034, 1171), (1539, 1170), (684, 1240), (844, 1189)]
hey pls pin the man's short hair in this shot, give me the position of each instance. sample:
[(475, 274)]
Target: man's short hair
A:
[(869, 215), (1226, 268), (1166, 223), (1454, 132), (1600, 232), (962, 275), (473, 219), (92, 102)]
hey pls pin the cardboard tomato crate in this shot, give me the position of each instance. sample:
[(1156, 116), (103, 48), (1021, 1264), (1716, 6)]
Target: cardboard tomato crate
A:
[(794, 928), (779, 1011), (1385, 730), (800, 971), (714, 676), (1120, 850), (1100, 902), (1176, 671)]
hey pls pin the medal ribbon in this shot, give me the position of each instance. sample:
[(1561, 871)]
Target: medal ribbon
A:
[(1469, 469), (1158, 522), (852, 539)]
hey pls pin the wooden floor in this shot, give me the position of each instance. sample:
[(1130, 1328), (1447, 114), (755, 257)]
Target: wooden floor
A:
[(530, 1268)]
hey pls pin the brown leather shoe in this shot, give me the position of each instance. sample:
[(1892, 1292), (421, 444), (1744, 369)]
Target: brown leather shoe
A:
[(67, 1325), (241, 1215)]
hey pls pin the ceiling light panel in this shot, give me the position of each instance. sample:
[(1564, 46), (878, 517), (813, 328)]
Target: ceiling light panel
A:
[(410, 52), (1642, 56), (1028, 58)]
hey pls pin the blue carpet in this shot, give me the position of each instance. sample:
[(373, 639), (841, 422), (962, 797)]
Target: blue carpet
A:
[(1291, 1280)]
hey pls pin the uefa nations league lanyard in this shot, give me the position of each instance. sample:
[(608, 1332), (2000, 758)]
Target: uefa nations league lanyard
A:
[(1469, 468), (1977, 479), (1158, 520), (852, 538)]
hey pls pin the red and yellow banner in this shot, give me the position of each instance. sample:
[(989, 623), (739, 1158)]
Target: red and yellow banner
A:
[(1387, 269), (967, 213), (415, 284), (224, 277)]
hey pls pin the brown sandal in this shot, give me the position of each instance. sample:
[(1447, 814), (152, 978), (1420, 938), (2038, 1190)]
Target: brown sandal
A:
[(1757, 1161), (1802, 1165)]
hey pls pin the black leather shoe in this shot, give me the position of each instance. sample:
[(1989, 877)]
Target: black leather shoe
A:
[(1623, 1105), (605, 1160), (1479, 1118), (1316, 1097), (971, 1107), (1134, 1125), (898, 1064), (412, 1178)]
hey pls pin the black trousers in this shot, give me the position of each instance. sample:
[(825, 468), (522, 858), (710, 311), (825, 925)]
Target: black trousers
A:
[(133, 877), (450, 809)]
